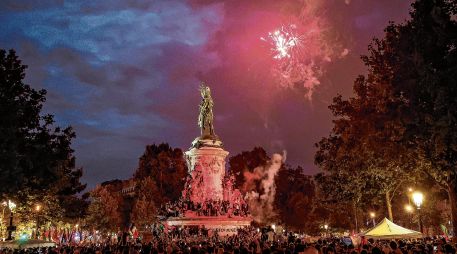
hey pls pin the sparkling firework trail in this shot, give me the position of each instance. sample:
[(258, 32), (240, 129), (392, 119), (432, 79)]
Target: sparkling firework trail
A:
[(283, 41)]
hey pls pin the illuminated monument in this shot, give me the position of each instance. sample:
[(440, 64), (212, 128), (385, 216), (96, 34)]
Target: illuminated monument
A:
[(207, 181)]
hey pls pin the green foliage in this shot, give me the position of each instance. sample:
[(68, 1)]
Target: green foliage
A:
[(36, 159)]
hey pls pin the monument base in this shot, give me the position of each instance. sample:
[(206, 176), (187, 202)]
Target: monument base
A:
[(207, 171), (224, 226)]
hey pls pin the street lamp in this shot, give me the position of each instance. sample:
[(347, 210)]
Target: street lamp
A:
[(418, 199), (326, 230), (11, 228)]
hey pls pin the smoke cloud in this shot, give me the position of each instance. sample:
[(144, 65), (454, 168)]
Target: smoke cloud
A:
[(263, 180)]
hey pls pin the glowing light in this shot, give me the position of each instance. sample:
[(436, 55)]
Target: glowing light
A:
[(283, 41), (38, 208), (418, 198), (11, 205), (23, 236), (409, 208), (372, 215), (325, 226)]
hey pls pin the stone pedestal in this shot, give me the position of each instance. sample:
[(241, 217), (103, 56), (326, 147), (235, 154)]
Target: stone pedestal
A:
[(206, 164)]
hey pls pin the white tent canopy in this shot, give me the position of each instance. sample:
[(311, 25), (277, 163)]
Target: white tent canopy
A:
[(386, 229)]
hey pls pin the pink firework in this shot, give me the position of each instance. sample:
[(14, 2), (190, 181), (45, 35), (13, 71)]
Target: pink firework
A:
[(283, 41)]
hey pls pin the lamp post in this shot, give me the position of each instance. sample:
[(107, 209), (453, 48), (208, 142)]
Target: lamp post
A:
[(372, 216), (418, 199), (11, 228), (37, 209)]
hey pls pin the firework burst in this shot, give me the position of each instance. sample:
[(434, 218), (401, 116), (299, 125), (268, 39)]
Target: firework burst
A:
[(283, 41), (302, 50)]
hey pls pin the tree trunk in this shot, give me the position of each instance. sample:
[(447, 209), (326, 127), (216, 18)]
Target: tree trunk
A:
[(355, 217), (452, 189), (389, 206)]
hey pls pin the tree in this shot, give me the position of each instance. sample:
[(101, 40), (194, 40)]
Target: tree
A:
[(167, 167), (403, 112), (430, 87), (144, 209), (106, 212), (295, 194), (247, 161), (36, 159), (361, 154)]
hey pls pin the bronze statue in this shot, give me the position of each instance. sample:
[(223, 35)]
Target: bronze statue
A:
[(205, 118)]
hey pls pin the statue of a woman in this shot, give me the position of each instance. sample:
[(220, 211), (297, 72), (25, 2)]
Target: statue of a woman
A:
[(205, 118)]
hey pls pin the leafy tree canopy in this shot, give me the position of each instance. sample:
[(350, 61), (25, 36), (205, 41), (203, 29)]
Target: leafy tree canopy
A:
[(401, 122), (36, 159)]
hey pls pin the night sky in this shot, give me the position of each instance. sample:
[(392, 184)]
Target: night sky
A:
[(125, 73)]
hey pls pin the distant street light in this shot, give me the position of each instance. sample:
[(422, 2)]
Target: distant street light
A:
[(418, 199), (11, 205), (326, 230)]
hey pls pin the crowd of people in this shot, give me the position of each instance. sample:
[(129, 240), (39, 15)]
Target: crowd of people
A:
[(246, 241), (181, 208)]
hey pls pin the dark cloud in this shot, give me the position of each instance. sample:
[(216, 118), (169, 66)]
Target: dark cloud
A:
[(126, 73)]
